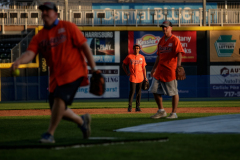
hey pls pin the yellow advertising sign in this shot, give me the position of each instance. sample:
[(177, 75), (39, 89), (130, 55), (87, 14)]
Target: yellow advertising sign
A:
[(224, 46)]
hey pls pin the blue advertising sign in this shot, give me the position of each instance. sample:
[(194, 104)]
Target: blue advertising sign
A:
[(148, 41), (225, 81), (104, 46), (146, 12)]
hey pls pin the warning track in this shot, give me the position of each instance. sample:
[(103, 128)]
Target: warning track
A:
[(39, 112)]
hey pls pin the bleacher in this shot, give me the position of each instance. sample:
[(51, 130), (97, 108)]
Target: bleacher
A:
[(10, 46)]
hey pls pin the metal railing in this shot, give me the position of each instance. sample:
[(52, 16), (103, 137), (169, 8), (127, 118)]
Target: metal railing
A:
[(21, 46), (119, 17), (223, 16)]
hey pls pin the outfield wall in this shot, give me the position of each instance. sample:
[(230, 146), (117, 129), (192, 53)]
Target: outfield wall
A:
[(211, 63)]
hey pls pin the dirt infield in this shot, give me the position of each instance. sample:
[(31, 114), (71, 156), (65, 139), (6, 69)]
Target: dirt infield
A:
[(121, 111)]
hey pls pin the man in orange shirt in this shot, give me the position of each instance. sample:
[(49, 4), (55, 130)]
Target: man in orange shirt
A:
[(164, 82), (136, 63), (65, 48)]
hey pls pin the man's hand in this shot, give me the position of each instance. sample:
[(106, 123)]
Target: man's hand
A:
[(152, 72), (15, 65), (97, 83)]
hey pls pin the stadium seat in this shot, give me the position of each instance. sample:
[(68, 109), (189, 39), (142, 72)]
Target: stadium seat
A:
[(2, 50)]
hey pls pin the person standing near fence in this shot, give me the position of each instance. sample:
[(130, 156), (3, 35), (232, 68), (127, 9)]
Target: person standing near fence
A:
[(136, 63), (65, 48), (169, 58)]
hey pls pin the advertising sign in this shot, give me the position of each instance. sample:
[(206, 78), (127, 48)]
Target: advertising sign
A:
[(147, 11), (225, 81), (224, 46), (148, 41), (104, 46), (111, 74), (188, 40)]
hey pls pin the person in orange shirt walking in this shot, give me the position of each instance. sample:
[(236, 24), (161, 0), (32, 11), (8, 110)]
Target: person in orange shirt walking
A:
[(136, 63), (65, 48), (169, 58)]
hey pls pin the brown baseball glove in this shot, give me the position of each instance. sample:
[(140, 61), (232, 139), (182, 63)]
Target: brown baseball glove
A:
[(180, 73), (97, 83)]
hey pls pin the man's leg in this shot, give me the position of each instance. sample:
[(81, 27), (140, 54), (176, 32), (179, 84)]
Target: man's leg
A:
[(138, 95), (131, 95), (71, 116), (158, 99), (56, 114), (175, 100), (161, 112)]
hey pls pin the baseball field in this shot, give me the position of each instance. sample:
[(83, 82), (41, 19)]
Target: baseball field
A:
[(21, 125)]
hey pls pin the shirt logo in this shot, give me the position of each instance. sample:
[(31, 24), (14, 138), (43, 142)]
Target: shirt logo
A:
[(170, 45), (135, 62), (162, 49), (61, 30), (140, 58)]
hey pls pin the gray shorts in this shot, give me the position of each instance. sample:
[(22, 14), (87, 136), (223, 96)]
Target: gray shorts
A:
[(164, 88)]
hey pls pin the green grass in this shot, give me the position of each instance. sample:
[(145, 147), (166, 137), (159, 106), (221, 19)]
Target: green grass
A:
[(23, 133), (26, 131), (119, 104)]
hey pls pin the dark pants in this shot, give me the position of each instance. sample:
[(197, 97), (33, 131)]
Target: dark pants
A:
[(133, 87)]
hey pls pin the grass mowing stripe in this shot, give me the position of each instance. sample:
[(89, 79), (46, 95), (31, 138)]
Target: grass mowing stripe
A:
[(144, 104)]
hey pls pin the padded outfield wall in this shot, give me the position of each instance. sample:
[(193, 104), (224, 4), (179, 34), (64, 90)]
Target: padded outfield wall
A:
[(211, 63)]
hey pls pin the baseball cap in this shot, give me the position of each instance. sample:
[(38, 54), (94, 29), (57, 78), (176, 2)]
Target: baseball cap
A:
[(49, 5), (166, 24)]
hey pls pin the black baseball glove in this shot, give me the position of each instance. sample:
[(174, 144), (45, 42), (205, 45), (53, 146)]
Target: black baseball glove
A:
[(97, 83)]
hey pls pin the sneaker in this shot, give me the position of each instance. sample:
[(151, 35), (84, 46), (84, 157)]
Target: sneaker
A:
[(47, 138), (129, 109), (159, 114), (86, 128), (138, 109), (172, 116)]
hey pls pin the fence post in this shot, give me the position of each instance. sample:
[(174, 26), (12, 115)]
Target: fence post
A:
[(114, 11), (209, 18), (136, 17), (221, 17), (70, 15), (93, 19), (3, 30), (200, 16), (179, 17), (26, 19)]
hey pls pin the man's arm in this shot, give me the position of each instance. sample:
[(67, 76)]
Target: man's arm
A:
[(125, 69), (145, 73), (155, 66), (88, 54), (179, 59), (26, 57)]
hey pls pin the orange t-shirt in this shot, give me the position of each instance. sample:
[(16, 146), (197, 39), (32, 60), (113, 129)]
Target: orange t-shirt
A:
[(167, 52), (136, 65), (60, 46)]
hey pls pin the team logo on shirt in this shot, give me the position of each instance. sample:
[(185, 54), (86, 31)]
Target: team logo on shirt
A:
[(47, 44), (162, 49), (134, 62), (148, 43), (170, 45), (61, 30)]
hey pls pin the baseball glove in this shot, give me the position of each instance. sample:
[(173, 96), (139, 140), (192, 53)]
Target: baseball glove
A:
[(180, 73), (145, 85), (97, 83)]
